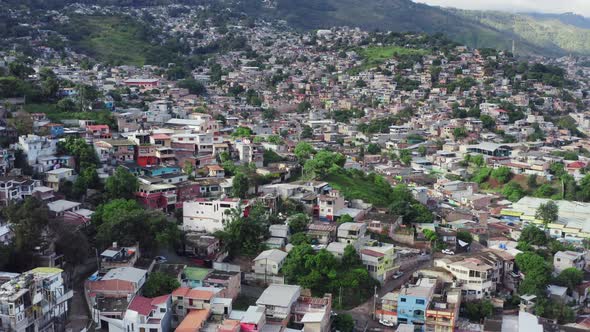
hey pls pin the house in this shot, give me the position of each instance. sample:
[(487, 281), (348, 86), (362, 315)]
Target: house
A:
[(115, 150), (39, 290), (229, 280), (208, 215), (98, 131), (193, 276), (379, 261), (474, 274), (442, 312), (143, 83), (269, 262), (158, 196), (16, 188), (120, 282), (60, 207), (313, 312), (186, 300), (330, 204), (414, 300), (322, 233), (55, 177), (567, 259), (36, 147), (116, 256), (194, 321), (215, 171), (277, 302), (148, 314), (351, 233)]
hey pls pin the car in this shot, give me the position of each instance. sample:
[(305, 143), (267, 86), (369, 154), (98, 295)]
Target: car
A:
[(397, 274), (448, 252), (386, 323), (161, 259)]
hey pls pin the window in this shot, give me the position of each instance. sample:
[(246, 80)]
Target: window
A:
[(162, 310), (419, 301), (403, 299)]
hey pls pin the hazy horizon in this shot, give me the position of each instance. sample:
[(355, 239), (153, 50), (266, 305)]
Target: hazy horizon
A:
[(581, 7)]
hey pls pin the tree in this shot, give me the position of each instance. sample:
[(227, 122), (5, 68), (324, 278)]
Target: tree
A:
[(306, 132), (465, 236), (193, 86), (344, 323), (513, 191), (242, 132), (477, 310), (345, 218), (545, 191), (245, 235), (459, 133), (570, 278), (405, 156), (322, 163), (158, 284), (532, 181), (299, 239), (66, 105), (240, 185), (128, 223), (298, 223), (373, 149), (537, 273), (269, 114), (547, 212), (83, 153), (303, 151), (122, 184), (531, 234), (488, 122), (28, 220), (501, 174), (350, 257)]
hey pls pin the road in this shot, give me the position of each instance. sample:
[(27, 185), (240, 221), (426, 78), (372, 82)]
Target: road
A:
[(362, 314)]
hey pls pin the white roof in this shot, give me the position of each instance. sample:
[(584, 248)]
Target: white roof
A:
[(252, 315), (109, 253), (274, 255), (313, 317), (59, 170), (557, 290), (279, 295), (61, 205), (125, 273), (571, 213), (185, 122)]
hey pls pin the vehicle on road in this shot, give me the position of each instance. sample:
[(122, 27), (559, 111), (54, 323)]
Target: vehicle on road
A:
[(386, 323), (397, 274), (448, 252), (161, 259)]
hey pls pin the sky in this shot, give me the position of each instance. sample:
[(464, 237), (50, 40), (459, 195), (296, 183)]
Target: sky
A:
[(581, 7)]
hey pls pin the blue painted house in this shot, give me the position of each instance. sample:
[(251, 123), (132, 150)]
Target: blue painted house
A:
[(413, 301), (161, 170)]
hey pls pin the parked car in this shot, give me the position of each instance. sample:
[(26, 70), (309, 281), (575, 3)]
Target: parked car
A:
[(448, 252), (386, 323), (161, 259), (397, 274)]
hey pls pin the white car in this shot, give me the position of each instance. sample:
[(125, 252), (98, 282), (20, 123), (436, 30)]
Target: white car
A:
[(161, 259), (397, 274), (448, 252), (386, 323)]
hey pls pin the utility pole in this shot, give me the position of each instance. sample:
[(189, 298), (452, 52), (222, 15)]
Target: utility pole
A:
[(340, 297)]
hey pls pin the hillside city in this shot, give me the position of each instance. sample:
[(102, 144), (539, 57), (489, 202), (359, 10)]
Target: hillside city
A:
[(186, 168)]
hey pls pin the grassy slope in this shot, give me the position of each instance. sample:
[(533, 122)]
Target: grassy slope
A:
[(100, 116), (353, 188), (373, 56), (111, 39)]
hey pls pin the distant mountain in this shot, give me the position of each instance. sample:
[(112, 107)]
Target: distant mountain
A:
[(543, 34)]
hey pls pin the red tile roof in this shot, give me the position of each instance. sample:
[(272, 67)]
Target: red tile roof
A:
[(373, 253), (141, 305), (160, 299)]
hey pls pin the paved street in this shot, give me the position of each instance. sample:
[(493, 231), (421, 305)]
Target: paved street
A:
[(362, 314)]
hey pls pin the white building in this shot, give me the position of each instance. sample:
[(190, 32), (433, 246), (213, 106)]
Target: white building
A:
[(277, 301), (34, 300), (269, 262), (36, 147), (566, 259), (208, 216)]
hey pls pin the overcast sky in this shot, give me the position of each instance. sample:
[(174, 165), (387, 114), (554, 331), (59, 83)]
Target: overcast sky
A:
[(543, 6)]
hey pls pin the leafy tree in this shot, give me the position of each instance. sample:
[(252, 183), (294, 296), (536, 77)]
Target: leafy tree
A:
[(501, 174), (304, 106), (532, 181), (242, 132), (322, 163), (373, 149), (128, 223), (350, 257), (513, 191), (570, 278), (482, 175), (193, 86), (531, 234), (488, 122), (405, 156), (28, 220), (122, 184), (459, 133), (537, 273), (545, 191), (158, 284), (269, 114), (345, 218), (477, 310), (465, 236), (303, 151), (245, 235), (240, 185), (306, 132), (547, 212), (66, 105), (344, 323), (299, 239), (83, 153), (298, 223)]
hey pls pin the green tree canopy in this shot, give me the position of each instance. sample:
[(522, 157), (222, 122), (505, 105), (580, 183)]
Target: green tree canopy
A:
[(158, 284), (547, 212), (122, 184)]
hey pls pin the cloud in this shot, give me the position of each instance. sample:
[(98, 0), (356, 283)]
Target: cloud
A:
[(541, 6)]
